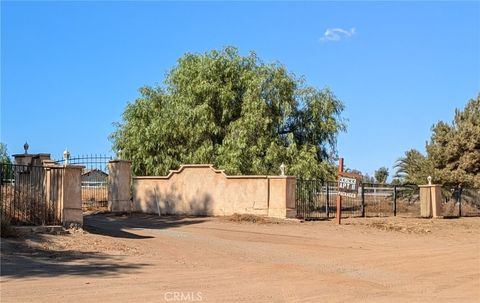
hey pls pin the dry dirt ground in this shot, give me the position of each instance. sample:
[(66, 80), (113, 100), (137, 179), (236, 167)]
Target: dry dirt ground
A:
[(151, 259)]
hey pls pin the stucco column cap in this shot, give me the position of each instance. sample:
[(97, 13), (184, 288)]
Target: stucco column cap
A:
[(73, 166)]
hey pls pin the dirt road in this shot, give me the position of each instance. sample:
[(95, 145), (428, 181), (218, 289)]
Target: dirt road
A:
[(151, 259)]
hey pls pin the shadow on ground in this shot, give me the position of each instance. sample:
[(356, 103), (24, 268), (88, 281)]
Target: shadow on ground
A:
[(30, 257), (124, 226)]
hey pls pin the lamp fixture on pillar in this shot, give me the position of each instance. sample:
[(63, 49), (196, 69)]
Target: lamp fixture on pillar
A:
[(66, 156)]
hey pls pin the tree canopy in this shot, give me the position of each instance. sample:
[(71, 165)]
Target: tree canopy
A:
[(453, 152), (413, 168), (381, 175), (236, 112), (4, 157), (454, 149)]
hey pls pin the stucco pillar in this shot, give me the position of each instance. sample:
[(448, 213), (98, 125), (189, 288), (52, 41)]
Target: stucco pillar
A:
[(71, 193), (119, 190), (430, 201), (281, 196)]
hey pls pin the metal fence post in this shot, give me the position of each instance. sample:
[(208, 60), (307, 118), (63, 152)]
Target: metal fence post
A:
[(338, 203), (394, 200), (363, 200), (460, 207), (299, 198), (328, 200)]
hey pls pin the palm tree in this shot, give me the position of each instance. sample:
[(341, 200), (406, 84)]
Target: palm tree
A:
[(413, 168)]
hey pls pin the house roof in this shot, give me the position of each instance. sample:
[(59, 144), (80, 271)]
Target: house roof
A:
[(86, 172)]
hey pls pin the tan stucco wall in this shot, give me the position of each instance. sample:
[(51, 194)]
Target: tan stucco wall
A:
[(281, 196), (119, 193), (72, 195), (204, 190)]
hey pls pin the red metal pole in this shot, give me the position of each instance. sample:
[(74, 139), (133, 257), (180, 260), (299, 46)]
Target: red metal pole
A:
[(339, 198)]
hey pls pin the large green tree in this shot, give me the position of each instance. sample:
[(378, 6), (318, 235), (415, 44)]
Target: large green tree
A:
[(454, 149), (453, 153), (236, 112)]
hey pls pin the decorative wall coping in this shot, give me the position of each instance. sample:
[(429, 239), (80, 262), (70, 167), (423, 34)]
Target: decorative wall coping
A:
[(72, 166), (31, 155), (217, 171), (281, 177)]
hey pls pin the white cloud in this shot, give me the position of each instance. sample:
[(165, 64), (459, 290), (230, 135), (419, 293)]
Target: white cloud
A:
[(337, 34)]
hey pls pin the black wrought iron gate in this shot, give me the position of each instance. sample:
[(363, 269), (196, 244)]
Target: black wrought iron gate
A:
[(30, 195), (316, 199), (94, 180)]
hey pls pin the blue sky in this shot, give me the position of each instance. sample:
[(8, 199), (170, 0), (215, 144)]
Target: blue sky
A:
[(69, 68)]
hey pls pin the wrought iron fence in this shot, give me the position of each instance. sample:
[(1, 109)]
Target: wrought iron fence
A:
[(312, 199), (94, 179), (316, 199), (464, 202), (30, 195)]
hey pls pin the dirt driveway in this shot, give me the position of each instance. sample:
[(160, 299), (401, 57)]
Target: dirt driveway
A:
[(150, 259)]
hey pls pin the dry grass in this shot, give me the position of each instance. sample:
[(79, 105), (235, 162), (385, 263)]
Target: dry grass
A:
[(248, 218), (24, 207), (254, 219), (384, 207), (398, 227), (450, 209), (98, 194), (95, 206), (417, 225)]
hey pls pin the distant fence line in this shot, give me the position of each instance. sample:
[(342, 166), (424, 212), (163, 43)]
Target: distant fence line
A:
[(316, 199)]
